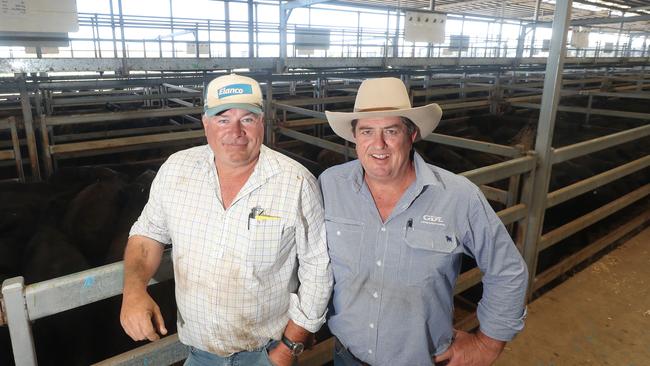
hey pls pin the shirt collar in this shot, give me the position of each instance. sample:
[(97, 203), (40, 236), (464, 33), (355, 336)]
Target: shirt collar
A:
[(266, 167), (424, 175)]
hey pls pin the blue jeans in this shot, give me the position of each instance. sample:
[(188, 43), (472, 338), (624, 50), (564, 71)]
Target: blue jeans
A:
[(258, 357)]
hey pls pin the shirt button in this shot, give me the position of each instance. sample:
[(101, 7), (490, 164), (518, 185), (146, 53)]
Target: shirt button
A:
[(372, 325), (378, 263), (383, 228), (370, 351), (338, 232), (375, 294)]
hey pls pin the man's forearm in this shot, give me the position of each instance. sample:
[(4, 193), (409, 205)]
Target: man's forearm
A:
[(297, 333), (142, 258)]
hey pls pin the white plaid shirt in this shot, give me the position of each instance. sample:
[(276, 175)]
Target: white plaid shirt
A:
[(240, 277)]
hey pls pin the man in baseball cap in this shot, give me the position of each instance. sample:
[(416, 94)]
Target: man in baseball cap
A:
[(396, 230), (247, 229)]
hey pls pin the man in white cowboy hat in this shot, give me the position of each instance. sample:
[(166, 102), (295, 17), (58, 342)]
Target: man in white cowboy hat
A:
[(396, 230), (246, 227)]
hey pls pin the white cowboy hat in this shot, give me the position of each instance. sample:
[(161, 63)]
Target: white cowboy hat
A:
[(384, 97)]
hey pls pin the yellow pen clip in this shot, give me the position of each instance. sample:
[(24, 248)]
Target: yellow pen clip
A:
[(266, 217)]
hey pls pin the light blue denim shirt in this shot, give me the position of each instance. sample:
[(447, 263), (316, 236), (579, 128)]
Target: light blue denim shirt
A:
[(394, 280)]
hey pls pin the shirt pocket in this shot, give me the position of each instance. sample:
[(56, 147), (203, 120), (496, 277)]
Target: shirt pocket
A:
[(269, 243), (430, 254), (344, 238)]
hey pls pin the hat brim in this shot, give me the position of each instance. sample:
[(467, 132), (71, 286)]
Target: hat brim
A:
[(253, 108), (426, 118)]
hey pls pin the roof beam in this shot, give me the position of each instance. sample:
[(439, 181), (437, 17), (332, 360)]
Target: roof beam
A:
[(596, 21), (301, 3)]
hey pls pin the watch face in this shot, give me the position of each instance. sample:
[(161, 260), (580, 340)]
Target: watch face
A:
[(298, 348)]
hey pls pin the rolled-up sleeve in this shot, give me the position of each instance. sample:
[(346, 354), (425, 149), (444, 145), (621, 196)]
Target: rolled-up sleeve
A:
[(309, 305), (501, 311), (151, 222)]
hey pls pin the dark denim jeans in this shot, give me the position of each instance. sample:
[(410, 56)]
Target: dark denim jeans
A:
[(258, 357)]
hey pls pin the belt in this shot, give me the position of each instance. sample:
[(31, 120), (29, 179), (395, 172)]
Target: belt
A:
[(346, 350)]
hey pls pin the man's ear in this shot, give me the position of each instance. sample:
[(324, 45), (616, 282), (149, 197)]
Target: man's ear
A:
[(414, 135)]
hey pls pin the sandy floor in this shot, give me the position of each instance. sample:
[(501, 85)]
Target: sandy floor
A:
[(601, 316)]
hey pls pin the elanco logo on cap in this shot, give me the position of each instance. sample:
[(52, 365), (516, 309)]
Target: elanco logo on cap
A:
[(234, 89)]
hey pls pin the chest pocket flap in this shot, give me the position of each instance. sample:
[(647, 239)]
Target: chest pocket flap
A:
[(437, 241)]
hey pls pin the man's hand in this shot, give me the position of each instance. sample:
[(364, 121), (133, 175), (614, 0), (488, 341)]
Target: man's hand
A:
[(471, 349), (141, 317), (281, 356)]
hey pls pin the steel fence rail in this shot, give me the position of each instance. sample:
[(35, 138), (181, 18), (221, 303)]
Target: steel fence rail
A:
[(566, 193), (496, 172), (553, 237), (553, 272), (602, 112), (165, 351), (118, 116), (475, 145), (82, 288), (600, 143)]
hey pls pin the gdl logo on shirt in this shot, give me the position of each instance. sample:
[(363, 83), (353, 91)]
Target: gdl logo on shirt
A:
[(432, 220), (234, 89)]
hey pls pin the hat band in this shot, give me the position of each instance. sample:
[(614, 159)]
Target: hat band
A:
[(378, 109)]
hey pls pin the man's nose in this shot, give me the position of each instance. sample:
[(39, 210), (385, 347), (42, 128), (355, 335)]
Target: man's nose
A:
[(379, 140), (238, 129)]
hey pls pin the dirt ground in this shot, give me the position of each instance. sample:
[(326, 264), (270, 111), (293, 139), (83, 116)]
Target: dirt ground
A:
[(601, 316)]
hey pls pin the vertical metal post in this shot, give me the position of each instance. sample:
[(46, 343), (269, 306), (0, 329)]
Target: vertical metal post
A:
[(171, 25), (15, 142), (499, 40), (20, 331), (226, 12), (196, 40), (93, 20), (113, 30), (269, 114), (588, 114), (545, 128), (28, 121), (251, 24), (283, 33), (257, 32), (528, 179), (359, 35), (48, 163), (496, 95), (618, 39), (462, 30), (520, 42), (209, 39), (535, 19), (387, 37), (119, 8), (398, 13)]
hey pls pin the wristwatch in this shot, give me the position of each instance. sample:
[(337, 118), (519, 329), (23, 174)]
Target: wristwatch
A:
[(296, 348)]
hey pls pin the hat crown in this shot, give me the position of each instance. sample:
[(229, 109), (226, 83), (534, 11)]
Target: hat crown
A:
[(232, 91), (382, 94)]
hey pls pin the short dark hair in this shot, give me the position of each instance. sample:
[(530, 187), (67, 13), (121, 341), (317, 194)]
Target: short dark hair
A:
[(410, 126)]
